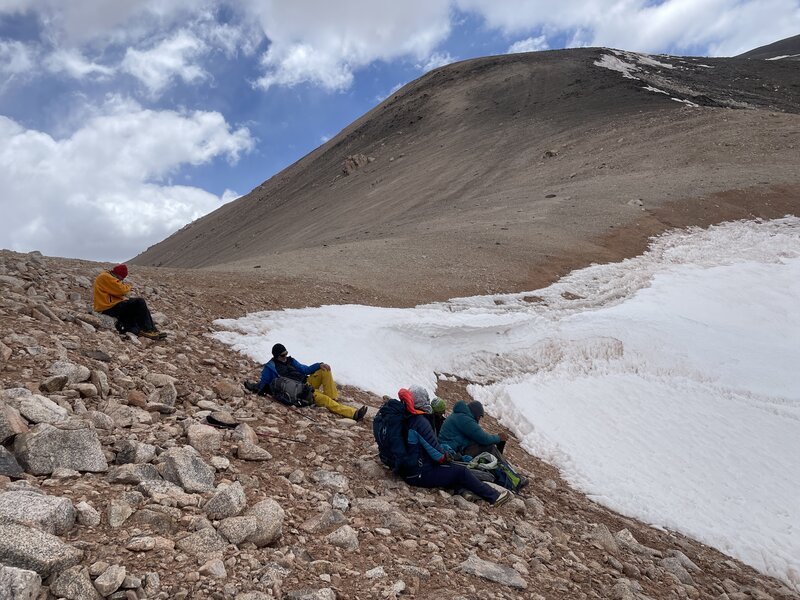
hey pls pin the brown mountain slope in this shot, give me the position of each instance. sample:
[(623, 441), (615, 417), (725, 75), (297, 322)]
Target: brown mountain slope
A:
[(789, 48), (501, 173)]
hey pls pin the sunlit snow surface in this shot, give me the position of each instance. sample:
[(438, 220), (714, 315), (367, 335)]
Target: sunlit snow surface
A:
[(668, 390)]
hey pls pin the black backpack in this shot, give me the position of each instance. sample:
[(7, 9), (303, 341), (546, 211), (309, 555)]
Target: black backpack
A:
[(291, 392), (390, 428)]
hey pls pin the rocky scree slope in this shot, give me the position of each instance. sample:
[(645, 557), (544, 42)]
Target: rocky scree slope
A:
[(113, 485), (512, 160)]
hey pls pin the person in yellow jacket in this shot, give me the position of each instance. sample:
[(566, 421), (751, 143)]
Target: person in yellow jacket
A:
[(132, 314)]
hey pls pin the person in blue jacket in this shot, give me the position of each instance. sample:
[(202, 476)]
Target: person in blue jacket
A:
[(318, 376), (462, 432), (434, 468)]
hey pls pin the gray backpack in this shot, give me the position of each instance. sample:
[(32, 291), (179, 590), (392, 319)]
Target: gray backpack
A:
[(291, 392)]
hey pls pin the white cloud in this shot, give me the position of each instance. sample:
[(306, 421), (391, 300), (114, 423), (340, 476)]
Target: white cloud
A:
[(101, 192), (531, 44), (75, 65), (15, 58), (173, 57), (323, 43), (436, 60), (721, 27)]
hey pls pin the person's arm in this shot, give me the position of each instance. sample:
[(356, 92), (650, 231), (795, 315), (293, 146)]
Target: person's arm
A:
[(473, 431), (113, 286), (306, 369), (267, 375), (420, 432)]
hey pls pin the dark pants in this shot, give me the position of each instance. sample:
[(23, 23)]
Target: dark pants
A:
[(451, 476), (131, 315), (495, 450)]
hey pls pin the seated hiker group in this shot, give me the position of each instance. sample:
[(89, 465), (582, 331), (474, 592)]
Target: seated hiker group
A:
[(414, 437)]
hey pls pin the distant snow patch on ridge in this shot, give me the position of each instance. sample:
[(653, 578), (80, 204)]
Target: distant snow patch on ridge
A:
[(686, 102), (615, 64), (782, 56), (650, 88)]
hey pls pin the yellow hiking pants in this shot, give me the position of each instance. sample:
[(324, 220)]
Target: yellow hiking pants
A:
[(327, 397)]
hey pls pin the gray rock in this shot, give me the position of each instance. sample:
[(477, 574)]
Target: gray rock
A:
[(9, 465), (29, 548), (111, 580), (152, 584), (229, 501), (332, 480), (54, 383), (202, 542), (87, 515), (237, 529), (45, 448), (11, 422), (253, 596), (184, 467), (214, 568), (164, 396), (602, 536), (493, 572), (311, 594), (118, 512), (100, 382), (204, 438), (133, 473), (248, 451), (74, 584), (674, 566), (130, 451), (325, 520), (270, 522), (625, 538), (19, 584), (345, 537), (160, 490), (74, 373), (245, 433), (38, 409), (52, 514)]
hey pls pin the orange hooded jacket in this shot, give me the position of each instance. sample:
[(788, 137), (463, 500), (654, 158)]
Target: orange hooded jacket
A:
[(108, 291)]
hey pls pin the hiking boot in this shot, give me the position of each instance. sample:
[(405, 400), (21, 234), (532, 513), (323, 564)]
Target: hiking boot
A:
[(360, 413), (153, 334), (251, 386), (523, 482), (502, 498)]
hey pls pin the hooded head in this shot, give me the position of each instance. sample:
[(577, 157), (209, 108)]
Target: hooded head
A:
[(120, 271), (277, 350), (422, 401), (476, 408)]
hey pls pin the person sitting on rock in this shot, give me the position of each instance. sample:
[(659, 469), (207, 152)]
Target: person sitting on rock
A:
[(434, 468), (132, 314), (462, 432), (318, 376)]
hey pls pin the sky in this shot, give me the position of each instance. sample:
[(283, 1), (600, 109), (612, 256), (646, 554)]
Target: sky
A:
[(123, 120), (666, 391)]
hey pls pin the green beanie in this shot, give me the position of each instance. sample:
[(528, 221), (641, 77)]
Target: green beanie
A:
[(438, 405)]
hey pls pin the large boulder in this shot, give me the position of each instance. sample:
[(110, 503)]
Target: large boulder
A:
[(38, 409), (270, 517), (204, 438), (19, 584), (53, 514), (45, 448), (75, 373), (229, 501), (74, 584), (9, 465), (131, 451), (29, 548), (184, 467), (11, 422)]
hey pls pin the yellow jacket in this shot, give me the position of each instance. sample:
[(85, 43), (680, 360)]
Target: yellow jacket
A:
[(108, 291)]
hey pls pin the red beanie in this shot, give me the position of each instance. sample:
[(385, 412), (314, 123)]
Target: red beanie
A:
[(120, 271)]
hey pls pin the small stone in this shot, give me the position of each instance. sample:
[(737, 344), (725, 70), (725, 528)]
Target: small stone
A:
[(215, 568), (110, 581)]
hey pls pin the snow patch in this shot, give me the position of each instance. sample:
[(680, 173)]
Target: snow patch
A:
[(615, 64), (664, 386), (687, 102), (650, 88)]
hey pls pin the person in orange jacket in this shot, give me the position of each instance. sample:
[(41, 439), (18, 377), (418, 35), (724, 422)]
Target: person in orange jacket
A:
[(132, 314)]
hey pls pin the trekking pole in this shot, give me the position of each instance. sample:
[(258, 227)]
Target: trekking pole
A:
[(286, 439)]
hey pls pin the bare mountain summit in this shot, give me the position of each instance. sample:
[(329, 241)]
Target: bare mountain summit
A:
[(502, 173)]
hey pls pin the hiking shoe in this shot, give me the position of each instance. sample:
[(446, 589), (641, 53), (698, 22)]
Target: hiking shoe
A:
[(153, 334), (360, 413), (523, 482), (251, 386), (502, 498)]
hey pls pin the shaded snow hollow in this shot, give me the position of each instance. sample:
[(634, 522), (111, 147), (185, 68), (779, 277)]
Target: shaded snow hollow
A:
[(663, 386)]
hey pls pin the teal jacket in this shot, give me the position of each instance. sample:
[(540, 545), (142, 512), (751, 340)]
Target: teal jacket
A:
[(461, 429)]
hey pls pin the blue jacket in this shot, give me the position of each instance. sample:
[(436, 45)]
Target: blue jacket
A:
[(461, 429), (422, 443), (270, 372)]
